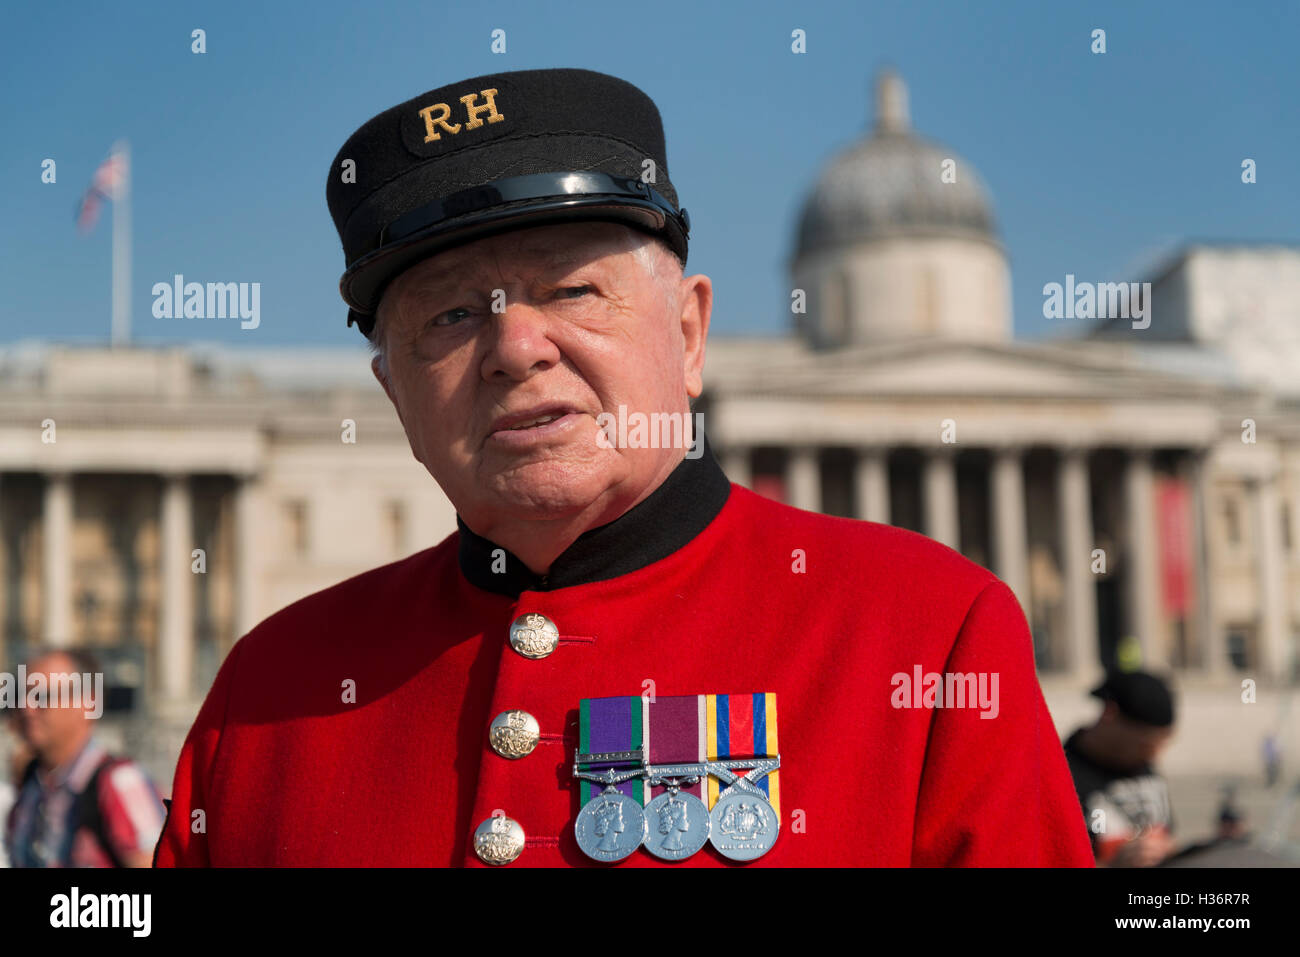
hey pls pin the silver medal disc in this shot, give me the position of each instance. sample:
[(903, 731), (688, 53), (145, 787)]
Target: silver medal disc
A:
[(743, 825), (677, 825), (610, 827)]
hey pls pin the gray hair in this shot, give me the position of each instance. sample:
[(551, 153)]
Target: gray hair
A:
[(656, 257)]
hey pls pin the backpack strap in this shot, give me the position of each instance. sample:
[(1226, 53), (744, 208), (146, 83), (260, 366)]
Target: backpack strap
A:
[(90, 815)]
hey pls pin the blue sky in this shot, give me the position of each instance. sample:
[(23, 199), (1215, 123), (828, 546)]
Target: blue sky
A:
[(1097, 164)]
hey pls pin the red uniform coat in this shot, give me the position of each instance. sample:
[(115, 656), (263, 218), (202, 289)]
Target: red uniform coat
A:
[(823, 611)]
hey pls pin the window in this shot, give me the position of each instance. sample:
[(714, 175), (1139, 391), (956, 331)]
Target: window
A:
[(295, 514), (1240, 648), (395, 517), (1232, 520)]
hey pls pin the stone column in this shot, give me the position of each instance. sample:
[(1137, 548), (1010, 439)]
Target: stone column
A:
[(940, 492), (736, 465), (1074, 504), (176, 612), (1209, 634), (1142, 577), (1270, 573), (871, 478), (56, 583), (245, 562), (1010, 538), (803, 479)]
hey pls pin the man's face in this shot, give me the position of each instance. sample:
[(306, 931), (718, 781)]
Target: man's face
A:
[(560, 321), (1132, 743), (1147, 741), (51, 728)]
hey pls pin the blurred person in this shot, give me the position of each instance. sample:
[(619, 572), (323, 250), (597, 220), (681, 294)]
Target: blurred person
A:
[(1125, 801), (1232, 824), (12, 772), (1272, 760), (77, 805)]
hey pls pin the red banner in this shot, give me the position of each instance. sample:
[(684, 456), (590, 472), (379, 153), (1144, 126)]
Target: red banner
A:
[(1174, 531)]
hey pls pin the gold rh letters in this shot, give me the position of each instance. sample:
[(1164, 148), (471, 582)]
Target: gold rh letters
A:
[(438, 114), (473, 111)]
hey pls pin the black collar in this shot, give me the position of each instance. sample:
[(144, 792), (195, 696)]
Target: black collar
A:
[(688, 500)]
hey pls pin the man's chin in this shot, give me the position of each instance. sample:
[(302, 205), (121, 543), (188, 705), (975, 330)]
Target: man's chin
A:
[(539, 494), (543, 503)]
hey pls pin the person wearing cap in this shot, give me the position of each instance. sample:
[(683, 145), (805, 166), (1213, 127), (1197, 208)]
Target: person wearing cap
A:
[(515, 253), (1125, 801)]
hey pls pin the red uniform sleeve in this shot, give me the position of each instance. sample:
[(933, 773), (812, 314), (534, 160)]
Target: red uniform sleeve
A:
[(184, 841), (996, 790)]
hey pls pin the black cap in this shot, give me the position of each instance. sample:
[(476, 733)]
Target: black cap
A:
[(494, 153), (1140, 697)]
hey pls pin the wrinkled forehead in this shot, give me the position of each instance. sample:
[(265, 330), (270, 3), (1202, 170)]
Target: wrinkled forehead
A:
[(543, 247)]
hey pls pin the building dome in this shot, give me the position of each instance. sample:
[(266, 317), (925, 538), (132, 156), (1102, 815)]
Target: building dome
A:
[(889, 184), (897, 241)]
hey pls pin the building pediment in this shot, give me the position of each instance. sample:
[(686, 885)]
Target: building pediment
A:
[(920, 368)]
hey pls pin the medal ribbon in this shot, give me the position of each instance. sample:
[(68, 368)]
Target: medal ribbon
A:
[(675, 735), (608, 725), (742, 726), (682, 729)]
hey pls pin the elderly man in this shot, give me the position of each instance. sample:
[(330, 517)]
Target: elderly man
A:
[(592, 667)]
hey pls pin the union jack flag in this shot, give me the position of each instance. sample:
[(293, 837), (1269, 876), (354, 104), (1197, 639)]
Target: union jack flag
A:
[(106, 184)]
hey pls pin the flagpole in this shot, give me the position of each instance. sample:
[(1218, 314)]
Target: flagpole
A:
[(122, 249)]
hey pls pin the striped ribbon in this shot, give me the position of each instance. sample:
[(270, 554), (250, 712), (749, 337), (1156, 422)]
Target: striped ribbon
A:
[(742, 726), (680, 730), (606, 725)]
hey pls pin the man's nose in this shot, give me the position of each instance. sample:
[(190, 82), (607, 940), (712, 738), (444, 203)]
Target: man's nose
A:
[(520, 341)]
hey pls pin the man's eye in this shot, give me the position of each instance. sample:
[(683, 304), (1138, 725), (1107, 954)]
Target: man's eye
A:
[(449, 318), (574, 292)]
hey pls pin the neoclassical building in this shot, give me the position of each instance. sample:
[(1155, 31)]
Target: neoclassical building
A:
[(1139, 490), (1132, 486)]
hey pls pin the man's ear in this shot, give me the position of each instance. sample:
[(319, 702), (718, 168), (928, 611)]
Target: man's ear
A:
[(376, 366), (696, 309)]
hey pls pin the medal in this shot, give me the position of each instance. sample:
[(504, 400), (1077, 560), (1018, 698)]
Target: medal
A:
[(707, 763), (744, 825), (612, 822), (677, 822), (745, 819), (611, 825)]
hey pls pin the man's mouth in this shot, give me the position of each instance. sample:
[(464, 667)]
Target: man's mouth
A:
[(540, 420), (535, 420)]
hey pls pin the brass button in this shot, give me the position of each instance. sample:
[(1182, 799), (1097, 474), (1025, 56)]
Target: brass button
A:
[(514, 734), (534, 635), (498, 840)]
